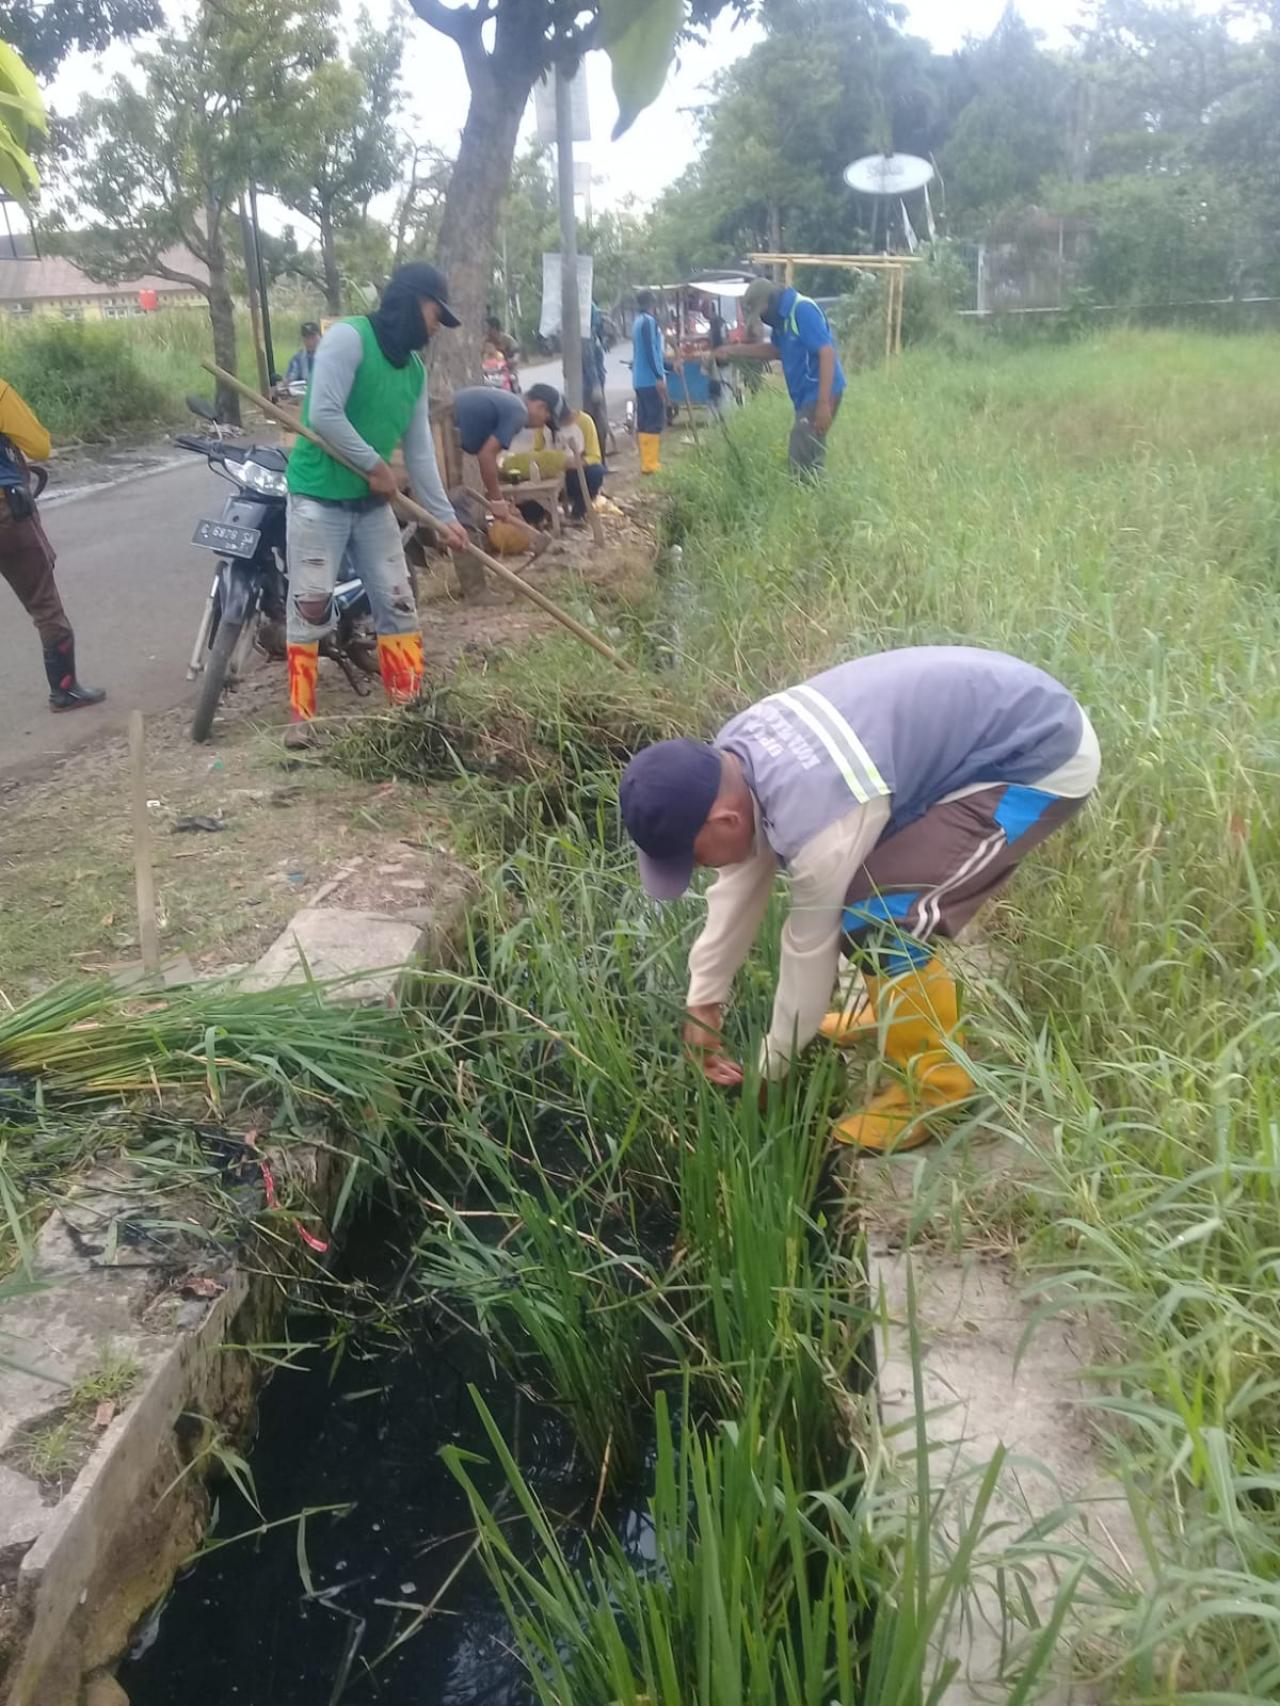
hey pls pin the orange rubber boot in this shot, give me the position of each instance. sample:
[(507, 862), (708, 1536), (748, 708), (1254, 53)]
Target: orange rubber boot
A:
[(402, 664), (650, 452), (304, 663), (921, 1015)]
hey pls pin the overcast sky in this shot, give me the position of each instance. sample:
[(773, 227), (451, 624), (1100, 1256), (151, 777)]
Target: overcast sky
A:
[(660, 143)]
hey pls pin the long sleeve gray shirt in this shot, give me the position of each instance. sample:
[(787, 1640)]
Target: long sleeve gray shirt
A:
[(337, 359)]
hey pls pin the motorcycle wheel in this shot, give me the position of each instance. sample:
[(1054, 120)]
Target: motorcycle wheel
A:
[(214, 679)]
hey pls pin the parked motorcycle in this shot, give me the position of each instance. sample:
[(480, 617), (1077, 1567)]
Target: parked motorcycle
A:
[(501, 374), (247, 606)]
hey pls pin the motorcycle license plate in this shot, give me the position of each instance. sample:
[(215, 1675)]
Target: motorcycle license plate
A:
[(229, 541)]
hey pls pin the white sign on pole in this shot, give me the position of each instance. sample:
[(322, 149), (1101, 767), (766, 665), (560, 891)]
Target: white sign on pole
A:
[(544, 108), (549, 326)]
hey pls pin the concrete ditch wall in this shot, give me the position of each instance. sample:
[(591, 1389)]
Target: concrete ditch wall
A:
[(80, 1565), (79, 1571)]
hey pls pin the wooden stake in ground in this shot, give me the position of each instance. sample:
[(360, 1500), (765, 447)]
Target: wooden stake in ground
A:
[(688, 403), (580, 474), (414, 511), (144, 878)]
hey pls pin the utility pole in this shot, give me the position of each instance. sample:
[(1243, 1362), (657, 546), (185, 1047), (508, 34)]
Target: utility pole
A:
[(251, 289), (262, 276), (570, 310)]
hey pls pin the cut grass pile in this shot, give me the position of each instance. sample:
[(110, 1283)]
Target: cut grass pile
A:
[(88, 1073)]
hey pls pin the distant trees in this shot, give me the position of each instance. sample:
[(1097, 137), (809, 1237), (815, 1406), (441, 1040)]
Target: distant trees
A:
[(329, 154), (1159, 132)]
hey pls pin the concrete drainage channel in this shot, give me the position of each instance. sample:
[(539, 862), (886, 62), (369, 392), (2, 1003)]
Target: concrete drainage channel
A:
[(77, 1574), (78, 1570), (991, 1376)]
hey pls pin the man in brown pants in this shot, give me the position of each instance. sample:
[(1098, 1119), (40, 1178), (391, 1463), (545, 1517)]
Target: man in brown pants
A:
[(899, 792), (26, 556)]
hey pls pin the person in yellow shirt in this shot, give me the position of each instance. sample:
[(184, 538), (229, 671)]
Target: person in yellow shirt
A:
[(26, 556), (572, 434)]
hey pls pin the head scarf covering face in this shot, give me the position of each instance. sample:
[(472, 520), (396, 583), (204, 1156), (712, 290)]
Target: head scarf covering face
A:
[(397, 322)]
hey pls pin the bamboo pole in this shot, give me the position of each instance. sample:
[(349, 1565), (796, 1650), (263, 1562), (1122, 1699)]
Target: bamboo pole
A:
[(688, 403), (902, 298), (415, 512)]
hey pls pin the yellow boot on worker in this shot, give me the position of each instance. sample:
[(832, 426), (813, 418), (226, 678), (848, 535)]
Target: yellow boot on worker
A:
[(402, 664), (919, 1012), (650, 452), (847, 1026)]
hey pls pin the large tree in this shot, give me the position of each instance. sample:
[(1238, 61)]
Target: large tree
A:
[(338, 147), (46, 31), (506, 45), (160, 167)]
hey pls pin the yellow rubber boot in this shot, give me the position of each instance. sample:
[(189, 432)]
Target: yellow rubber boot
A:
[(650, 452), (921, 1016), (847, 1026)]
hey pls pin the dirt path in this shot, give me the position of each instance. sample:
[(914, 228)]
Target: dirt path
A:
[(290, 828)]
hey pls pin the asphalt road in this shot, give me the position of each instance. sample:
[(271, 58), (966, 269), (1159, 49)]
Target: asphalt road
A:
[(132, 583), (617, 376)]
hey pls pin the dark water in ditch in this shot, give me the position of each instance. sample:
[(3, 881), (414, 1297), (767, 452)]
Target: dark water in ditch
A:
[(241, 1627)]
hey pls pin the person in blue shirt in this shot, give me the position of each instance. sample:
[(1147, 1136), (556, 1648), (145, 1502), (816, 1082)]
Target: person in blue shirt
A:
[(801, 339), (649, 375), (302, 361)]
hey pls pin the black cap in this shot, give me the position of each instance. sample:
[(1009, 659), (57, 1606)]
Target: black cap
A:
[(666, 794), (309, 329), (425, 280)]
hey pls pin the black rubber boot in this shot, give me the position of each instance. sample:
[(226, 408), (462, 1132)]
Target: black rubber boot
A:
[(65, 692)]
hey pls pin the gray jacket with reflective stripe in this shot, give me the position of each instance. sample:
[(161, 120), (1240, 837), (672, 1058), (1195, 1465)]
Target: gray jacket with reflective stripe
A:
[(914, 725)]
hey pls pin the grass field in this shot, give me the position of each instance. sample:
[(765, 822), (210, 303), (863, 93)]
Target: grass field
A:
[(1111, 511), (96, 380), (665, 1265)]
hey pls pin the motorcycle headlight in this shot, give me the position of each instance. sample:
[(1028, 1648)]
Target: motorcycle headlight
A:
[(265, 480)]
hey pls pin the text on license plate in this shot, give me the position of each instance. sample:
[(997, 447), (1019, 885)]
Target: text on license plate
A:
[(231, 541)]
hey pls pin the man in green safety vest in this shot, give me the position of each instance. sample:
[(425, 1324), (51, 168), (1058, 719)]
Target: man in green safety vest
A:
[(368, 393), (801, 339)]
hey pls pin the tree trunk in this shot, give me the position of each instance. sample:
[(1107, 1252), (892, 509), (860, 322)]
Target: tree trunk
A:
[(775, 238), (222, 318), (332, 277), (500, 85)]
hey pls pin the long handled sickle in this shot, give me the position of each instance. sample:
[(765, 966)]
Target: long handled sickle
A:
[(415, 512)]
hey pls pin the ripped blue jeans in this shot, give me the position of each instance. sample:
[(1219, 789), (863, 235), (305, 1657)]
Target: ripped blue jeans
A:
[(329, 541)]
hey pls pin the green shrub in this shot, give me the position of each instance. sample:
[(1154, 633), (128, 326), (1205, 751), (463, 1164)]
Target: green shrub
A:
[(84, 381), (936, 287)]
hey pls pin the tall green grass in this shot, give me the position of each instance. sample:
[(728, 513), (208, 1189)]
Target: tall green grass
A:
[(1111, 511), (671, 1269), (97, 380)]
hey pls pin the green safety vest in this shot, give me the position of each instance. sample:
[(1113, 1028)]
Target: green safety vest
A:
[(381, 405)]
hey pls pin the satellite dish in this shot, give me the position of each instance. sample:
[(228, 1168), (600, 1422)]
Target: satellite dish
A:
[(888, 174)]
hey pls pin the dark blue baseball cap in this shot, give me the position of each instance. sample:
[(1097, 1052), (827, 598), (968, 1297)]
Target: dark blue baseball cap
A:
[(666, 794)]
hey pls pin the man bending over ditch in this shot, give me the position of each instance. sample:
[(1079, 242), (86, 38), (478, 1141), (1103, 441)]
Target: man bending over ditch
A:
[(898, 792)]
